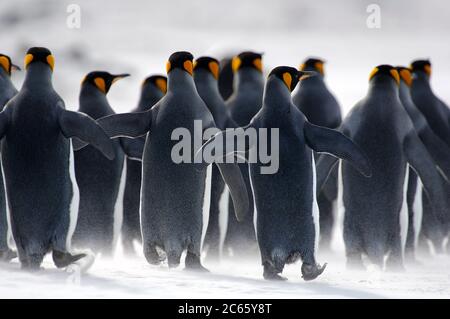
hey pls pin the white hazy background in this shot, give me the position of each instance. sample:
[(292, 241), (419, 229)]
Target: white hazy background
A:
[(138, 36)]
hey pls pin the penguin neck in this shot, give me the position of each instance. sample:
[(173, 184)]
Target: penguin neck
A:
[(206, 85), (93, 102), (38, 77), (422, 79), (405, 93), (248, 79), (313, 81), (179, 81), (5, 81), (277, 97), (384, 86), (150, 95)]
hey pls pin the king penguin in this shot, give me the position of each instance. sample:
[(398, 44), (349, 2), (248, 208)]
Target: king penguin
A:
[(7, 91), (175, 191), (206, 75), (99, 179), (317, 103), (440, 152), (376, 216), (437, 115), (287, 220), (37, 161), (244, 103), (152, 90)]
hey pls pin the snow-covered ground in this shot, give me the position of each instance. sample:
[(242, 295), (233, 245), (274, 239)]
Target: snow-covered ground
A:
[(138, 36), (134, 278)]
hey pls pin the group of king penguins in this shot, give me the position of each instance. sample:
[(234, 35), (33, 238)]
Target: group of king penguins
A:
[(65, 173)]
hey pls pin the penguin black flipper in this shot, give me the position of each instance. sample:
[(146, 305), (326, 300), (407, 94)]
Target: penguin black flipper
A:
[(437, 148), (133, 148), (76, 124), (232, 176), (325, 140), (418, 157), (127, 124)]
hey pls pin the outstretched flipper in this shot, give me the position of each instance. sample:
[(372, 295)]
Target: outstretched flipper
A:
[(418, 157), (232, 176), (438, 150), (325, 140), (127, 124), (83, 127)]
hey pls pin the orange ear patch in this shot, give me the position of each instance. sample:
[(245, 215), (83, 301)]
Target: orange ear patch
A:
[(405, 74), (396, 76), (214, 68), (188, 66), (236, 64), (168, 66), (287, 79), (427, 69), (372, 74), (100, 83), (161, 84), (4, 62), (28, 58), (258, 64), (319, 67), (51, 61)]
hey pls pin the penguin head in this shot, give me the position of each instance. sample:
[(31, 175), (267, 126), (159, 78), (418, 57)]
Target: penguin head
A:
[(313, 64), (40, 55), (405, 74), (180, 60), (102, 80), (208, 64), (7, 65), (384, 72), (290, 76), (159, 81), (423, 66), (247, 59)]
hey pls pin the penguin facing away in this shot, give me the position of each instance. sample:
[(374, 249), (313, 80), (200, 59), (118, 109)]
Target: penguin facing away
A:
[(243, 104), (286, 209), (206, 73), (7, 91), (320, 107), (153, 89), (376, 217), (98, 178), (173, 194), (38, 164), (440, 152)]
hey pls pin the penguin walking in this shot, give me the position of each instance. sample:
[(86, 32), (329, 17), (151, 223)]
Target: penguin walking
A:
[(37, 161), (206, 74), (153, 89), (175, 193), (376, 216), (287, 220), (7, 91), (98, 178), (440, 153), (320, 107), (243, 104), (437, 115)]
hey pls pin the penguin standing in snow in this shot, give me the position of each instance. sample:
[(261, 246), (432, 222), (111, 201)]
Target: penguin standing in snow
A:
[(320, 107), (175, 191), (440, 153), (153, 89), (206, 73), (37, 161), (7, 91), (437, 115), (243, 104), (376, 216), (286, 209), (99, 179)]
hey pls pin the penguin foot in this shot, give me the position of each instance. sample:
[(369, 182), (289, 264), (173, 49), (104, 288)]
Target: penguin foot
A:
[(7, 255), (310, 272), (270, 273), (192, 263), (64, 259)]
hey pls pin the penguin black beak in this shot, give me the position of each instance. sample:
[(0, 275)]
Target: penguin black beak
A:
[(306, 74), (117, 77), (15, 67)]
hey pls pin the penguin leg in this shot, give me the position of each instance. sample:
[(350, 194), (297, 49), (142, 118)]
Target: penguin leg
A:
[(32, 262), (63, 259), (192, 261), (174, 256), (271, 273), (151, 254)]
